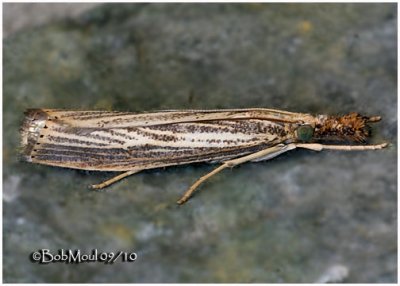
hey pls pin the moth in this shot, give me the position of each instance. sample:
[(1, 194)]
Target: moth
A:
[(131, 142)]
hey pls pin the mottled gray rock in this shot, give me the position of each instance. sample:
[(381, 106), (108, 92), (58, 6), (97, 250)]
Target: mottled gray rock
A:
[(286, 220), (19, 16)]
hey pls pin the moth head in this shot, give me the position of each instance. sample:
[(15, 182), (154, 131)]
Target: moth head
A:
[(351, 127)]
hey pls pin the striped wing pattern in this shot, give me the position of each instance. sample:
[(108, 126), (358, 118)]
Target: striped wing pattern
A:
[(120, 141)]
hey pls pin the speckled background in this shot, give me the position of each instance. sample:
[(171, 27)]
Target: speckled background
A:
[(302, 217)]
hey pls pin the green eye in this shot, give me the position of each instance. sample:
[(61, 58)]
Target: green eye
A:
[(305, 133)]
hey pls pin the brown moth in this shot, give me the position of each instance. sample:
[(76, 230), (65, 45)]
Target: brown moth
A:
[(131, 142)]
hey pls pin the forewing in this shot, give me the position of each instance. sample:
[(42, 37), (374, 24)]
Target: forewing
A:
[(59, 138)]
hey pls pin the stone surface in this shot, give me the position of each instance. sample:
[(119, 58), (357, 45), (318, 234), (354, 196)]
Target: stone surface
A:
[(286, 220), (19, 16)]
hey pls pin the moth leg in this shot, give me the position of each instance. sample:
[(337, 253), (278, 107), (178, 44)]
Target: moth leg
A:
[(265, 154), (320, 147), (113, 180), (272, 152)]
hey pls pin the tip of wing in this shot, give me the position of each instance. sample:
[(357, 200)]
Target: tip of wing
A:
[(34, 121)]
